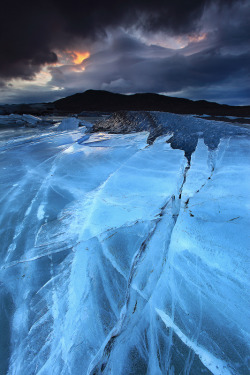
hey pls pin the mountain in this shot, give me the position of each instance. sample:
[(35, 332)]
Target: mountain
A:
[(104, 101)]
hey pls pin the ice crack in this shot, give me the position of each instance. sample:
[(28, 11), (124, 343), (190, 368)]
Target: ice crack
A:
[(100, 360)]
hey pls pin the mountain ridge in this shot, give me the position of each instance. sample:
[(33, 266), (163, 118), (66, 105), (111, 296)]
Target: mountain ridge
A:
[(106, 101)]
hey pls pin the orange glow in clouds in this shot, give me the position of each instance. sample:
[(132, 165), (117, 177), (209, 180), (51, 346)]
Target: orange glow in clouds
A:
[(197, 38), (72, 60), (79, 57)]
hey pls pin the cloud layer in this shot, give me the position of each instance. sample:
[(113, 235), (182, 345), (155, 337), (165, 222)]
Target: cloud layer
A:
[(196, 48)]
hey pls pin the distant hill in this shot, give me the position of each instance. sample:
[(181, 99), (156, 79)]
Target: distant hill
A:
[(104, 101)]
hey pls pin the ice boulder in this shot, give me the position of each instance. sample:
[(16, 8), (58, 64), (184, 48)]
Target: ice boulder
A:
[(12, 120), (31, 120), (20, 120), (70, 123)]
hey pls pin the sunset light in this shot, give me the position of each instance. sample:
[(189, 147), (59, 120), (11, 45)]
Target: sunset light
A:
[(197, 38), (79, 57)]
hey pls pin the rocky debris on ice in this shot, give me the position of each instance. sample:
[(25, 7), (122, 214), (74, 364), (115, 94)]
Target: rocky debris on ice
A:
[(186, 129)]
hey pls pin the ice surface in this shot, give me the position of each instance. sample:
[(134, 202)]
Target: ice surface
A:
[(125, 253)]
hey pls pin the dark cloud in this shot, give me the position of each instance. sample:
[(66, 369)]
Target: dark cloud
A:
[(32, 30), (128, 65), (233, 92), (211, 60)]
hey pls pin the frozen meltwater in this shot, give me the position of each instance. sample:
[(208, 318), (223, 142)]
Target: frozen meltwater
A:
[(125, 253)]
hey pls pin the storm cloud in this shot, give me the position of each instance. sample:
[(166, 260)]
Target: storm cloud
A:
[(129, 44), (131, 66)]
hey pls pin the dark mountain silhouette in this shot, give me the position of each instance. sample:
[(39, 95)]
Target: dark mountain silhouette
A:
[(91, 102), (104, 101)]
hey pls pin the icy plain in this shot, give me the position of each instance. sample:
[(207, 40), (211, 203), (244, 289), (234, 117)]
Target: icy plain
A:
[(125, 253)]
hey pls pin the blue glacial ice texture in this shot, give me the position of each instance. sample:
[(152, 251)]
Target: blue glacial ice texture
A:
[(118, 257)]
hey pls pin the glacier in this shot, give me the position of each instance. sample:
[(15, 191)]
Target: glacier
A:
[(124, 247)]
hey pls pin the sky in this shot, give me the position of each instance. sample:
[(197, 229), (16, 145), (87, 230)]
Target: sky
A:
[(196, 49)]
